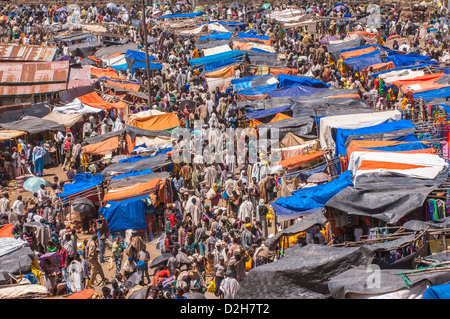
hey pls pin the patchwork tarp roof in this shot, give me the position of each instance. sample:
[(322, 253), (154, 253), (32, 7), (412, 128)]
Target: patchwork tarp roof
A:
[(33, 125)]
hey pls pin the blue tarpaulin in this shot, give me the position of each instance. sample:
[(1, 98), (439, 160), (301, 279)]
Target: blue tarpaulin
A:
[(422, 65), (143, 65), (81, 182), (214, 66), (217, 36), (432, 94), (343, 134), (243, 83), (437, 292), (358, 48), (407, 59), (286, 80), (133, 173), (126, 214), (312, 198), (295, 91), (182, 15), (258, 90), (137, 55), (359, 63), (216, 58), (250, 35), (268, 112)]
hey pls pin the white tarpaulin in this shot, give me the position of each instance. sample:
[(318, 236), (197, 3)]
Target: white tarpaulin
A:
[(218, 82), (351, 122), (216, 50), (207, 28), (115, 60), (398, 75), (76, 106), (288, 15), (423, 166), (9, 244)]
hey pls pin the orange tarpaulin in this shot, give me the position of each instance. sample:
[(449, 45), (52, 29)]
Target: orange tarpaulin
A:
[(254, 123), (127, 86), (350, 150), (84, 294), (283, 71), (7, 231), (298, 160), (110, 73), (95, 100), (351, 54), (101, 148), (156, 122), (355, 95), (378, 68), (371, 165), (135, 190), (421, 83), (242, 97), (222, 73), (280, 116)]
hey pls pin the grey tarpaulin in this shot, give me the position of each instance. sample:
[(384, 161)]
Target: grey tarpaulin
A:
[(265, 104), (265, 59), (38, 110), (439, 257), (388, 198), (84, 206), (418, 225), (103, 137), (303, 273), (84, 49), (298, 126), (75, 37), (387, 136), (353, 282), (133, 131), (211, 43), (123, 168), (341, 106), (132, 180), (316, 218), (113, 49), (23, 257), (33, 125)]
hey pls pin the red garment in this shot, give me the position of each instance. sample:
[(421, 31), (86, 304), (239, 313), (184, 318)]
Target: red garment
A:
[(173, 220), (63, 253)]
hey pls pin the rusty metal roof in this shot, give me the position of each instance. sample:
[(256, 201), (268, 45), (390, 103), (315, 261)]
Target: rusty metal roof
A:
[(29, 78), (19, 52)]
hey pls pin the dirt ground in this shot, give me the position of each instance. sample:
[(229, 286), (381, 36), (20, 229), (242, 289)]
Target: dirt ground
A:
[(49, 174)]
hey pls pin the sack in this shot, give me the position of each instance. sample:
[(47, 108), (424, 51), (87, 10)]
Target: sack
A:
[(211, 287), (111, 263)]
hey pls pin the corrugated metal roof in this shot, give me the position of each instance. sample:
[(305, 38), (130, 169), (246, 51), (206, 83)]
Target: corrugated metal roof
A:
[(19, 52), (33, 77)]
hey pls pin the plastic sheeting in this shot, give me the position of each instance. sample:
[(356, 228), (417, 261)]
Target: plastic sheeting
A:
[(343, 134), (215, 58), (353, 284), (290, 80), (388, 198), (352, 122), (33, 125), (303, 273), (295, 91), (133, 178), (156, 122), (126, 214), (10, 261), (309, 199), (298, 126), (316, 218), (265, 113), (123, 168), (80, 183)]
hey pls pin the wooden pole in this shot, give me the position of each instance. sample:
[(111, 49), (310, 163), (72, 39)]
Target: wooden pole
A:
[(146, 53)]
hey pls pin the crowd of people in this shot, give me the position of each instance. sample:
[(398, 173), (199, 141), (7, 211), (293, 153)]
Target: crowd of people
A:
[(221, 215)]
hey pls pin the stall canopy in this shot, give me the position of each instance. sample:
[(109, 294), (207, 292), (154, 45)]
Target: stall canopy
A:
[(385, 197), (139, 189), (159, 122), (143, 164), (33, 125), (67, 120), (101, 148), (126, 214), (95, 100), (307, 200)]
